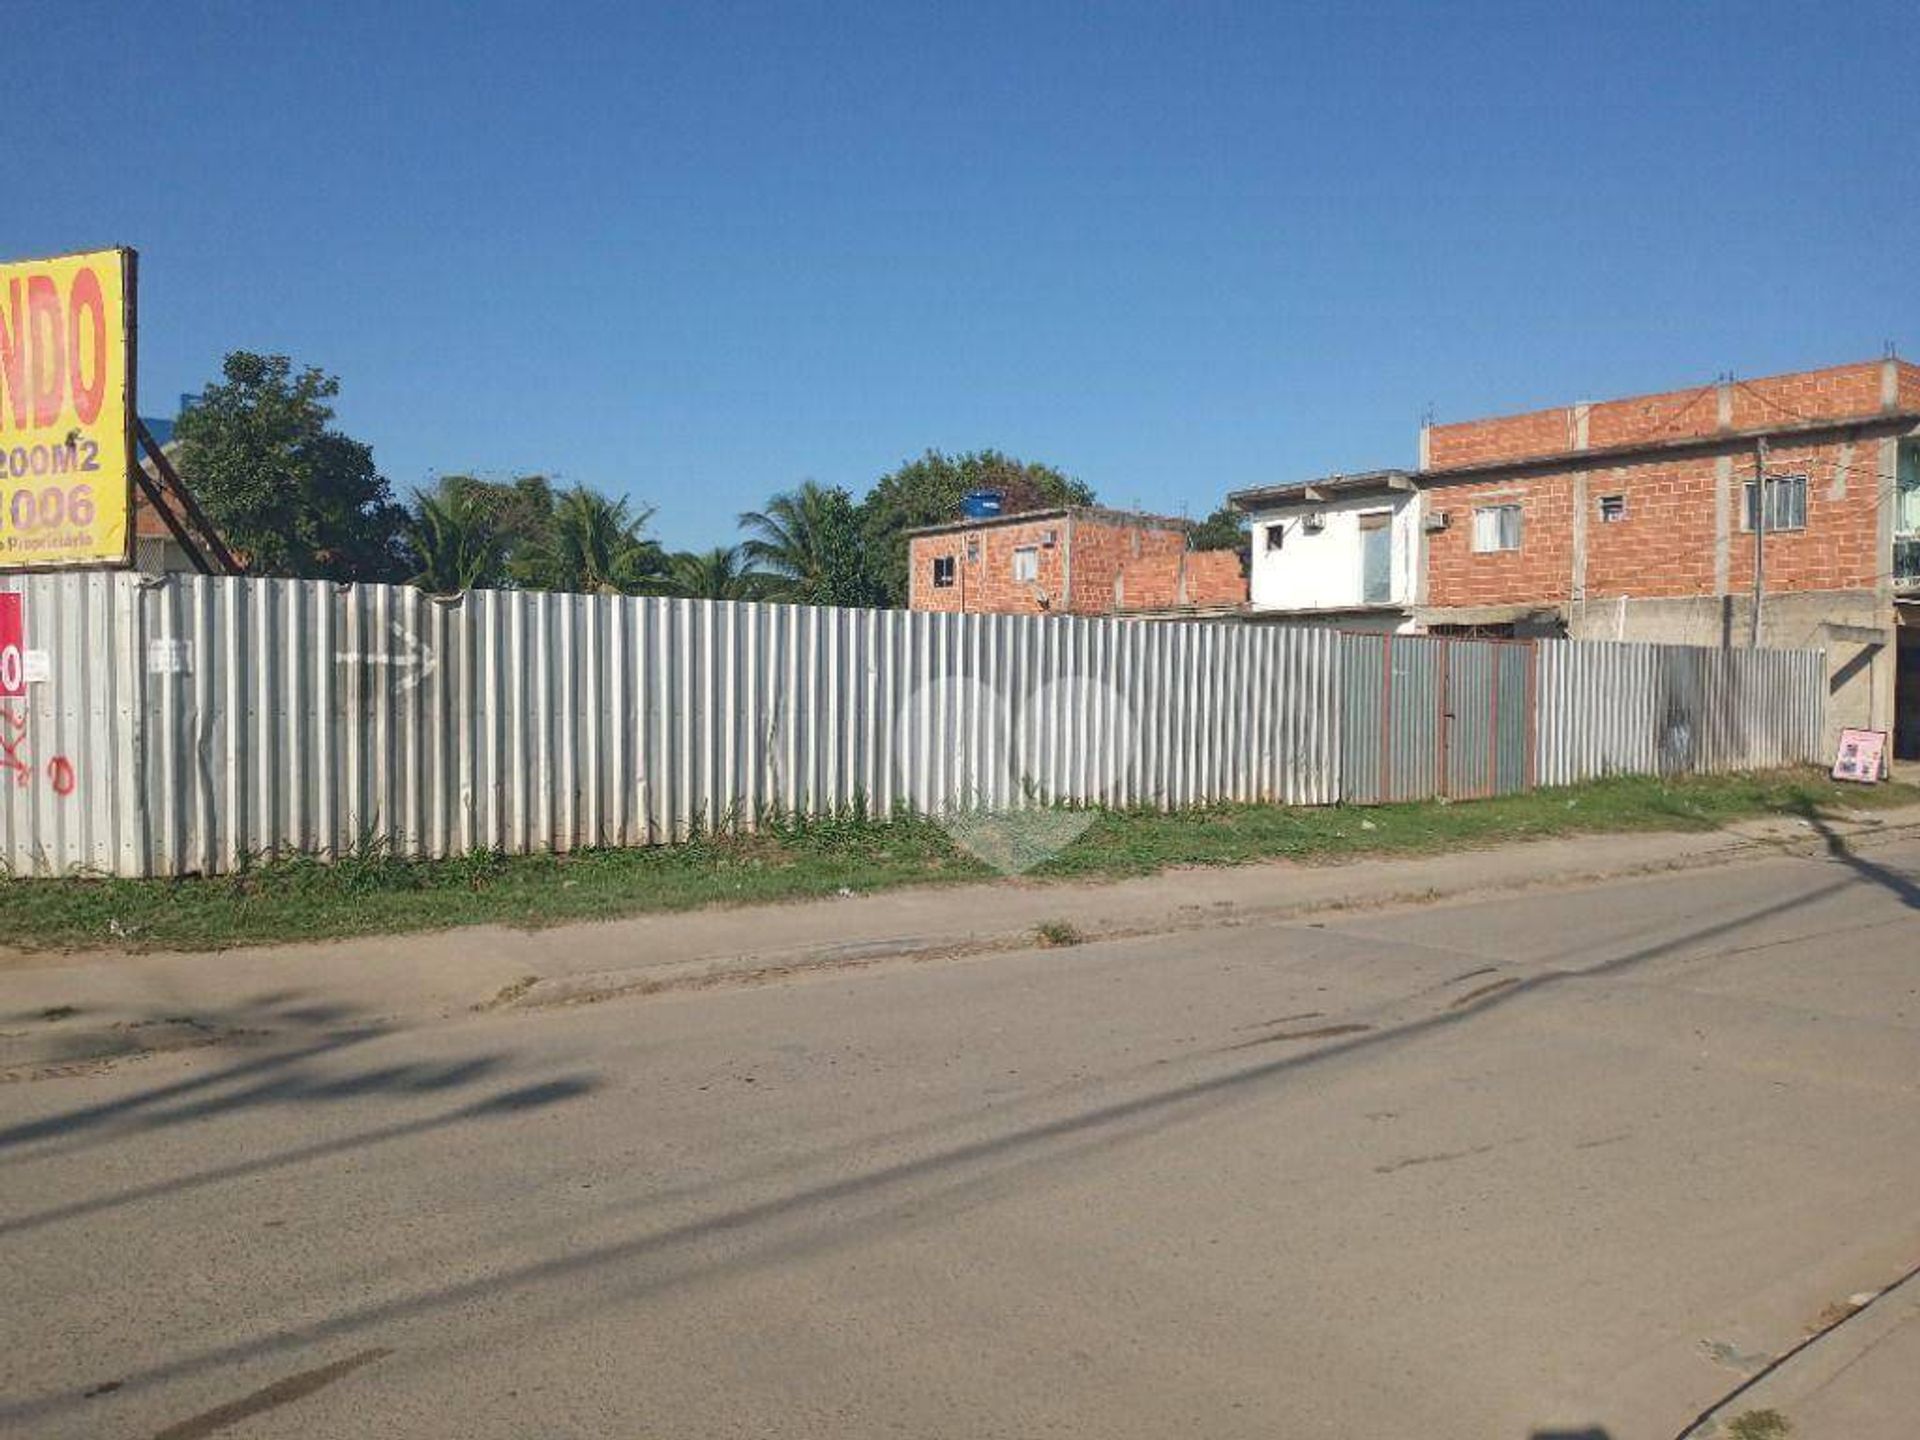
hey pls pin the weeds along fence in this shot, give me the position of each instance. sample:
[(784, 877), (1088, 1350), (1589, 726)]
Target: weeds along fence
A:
[(185, 724)]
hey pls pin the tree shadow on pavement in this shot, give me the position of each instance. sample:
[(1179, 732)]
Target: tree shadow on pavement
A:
[(285, 1053), (293, 1053), (818, 1218)]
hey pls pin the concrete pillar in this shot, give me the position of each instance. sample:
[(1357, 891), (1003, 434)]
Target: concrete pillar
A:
[(1577, 582), (1722, 524)]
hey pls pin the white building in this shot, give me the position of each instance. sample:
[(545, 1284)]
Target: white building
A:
[(1344, 550)]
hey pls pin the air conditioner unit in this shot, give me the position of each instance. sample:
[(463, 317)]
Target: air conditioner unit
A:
[(1313, 524), (1436, 522)]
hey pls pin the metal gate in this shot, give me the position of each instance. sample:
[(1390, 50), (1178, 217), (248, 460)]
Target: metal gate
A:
[(1422, 716)]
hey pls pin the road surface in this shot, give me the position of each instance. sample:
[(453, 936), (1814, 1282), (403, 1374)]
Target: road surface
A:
[(1572, 1162)]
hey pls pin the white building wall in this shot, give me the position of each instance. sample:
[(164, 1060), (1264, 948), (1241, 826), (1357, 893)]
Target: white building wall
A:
[(1321, 570)]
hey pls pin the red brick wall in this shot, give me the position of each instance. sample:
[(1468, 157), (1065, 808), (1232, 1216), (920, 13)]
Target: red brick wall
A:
[(1665, 547), (1103, 549), (1909, 384), (1834, 393), (1199, 577), (1151, 555), (1678, 415), (1507, 437), (1540, 570), (1840, 548), (986, 583)]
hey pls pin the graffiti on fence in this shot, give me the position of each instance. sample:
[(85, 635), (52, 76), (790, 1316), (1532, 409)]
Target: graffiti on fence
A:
[(16, 758)]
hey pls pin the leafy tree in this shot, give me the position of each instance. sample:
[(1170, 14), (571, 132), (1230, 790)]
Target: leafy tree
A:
[(520, 510), (595, 544), (927, 491), (808, 544), (454, 542), (1224, 529), (722, 573), (290, 493)]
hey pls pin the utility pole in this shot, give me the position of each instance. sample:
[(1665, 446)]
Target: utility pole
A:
[(1759, 537)]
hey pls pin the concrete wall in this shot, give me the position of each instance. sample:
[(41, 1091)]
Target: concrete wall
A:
[(1322, 571)]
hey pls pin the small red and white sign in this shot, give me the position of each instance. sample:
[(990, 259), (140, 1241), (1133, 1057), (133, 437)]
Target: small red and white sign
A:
[(13, 647), (1862, 756)]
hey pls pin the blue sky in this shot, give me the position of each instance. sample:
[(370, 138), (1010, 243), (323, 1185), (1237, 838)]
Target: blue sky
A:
[(698, 254)]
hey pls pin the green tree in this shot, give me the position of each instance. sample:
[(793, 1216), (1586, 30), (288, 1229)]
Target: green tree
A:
[(927, 491), (807, 542), (595, 544), (722, 573), (453, 542), (1224, 529), (291, 494), (520, 510)]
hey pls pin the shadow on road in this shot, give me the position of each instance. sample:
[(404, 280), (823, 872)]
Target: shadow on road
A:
[(1904, 887), (292, 1058), (289, 1056), (827, 1216)]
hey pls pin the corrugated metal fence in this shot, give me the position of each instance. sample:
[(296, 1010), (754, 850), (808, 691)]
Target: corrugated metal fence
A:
[(1666, 709), (184, 724)]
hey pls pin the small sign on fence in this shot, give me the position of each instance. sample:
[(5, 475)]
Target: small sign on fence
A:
[(1862, 756), (13, 647)]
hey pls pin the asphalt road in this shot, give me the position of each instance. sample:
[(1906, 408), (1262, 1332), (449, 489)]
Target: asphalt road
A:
[(1569, 1162)]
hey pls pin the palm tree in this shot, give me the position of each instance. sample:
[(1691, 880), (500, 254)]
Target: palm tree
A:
[(452, 543), (594, 544), (796, 540), (718, 574)]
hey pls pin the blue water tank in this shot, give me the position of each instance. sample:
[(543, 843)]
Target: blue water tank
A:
[(981, 504)]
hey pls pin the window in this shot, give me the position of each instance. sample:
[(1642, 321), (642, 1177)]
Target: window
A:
[(1026, 564), (973, 549), (1496, 527), (1786, 503), (1906, 521), (1376, 558), (1613, 509), (942, 571), (1276, 535)]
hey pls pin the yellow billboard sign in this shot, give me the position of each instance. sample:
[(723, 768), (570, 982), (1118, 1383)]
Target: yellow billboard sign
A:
[(66, 410)]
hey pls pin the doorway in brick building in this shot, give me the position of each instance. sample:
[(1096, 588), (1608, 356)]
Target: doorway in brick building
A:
[(1906, 689)]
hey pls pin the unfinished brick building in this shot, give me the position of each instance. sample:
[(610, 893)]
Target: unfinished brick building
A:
[(1636, 520), (1080, 560)]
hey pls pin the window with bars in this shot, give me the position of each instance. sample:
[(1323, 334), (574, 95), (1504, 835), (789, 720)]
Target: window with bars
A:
[(1786, 503), (1026, 564), (1906, 520), (1496, 527), (942, 571)]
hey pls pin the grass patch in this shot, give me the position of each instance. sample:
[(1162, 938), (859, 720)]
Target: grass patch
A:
[(1053, 933), (301, 898), (1760, 1425)]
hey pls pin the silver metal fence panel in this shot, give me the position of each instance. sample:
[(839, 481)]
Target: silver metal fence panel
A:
[(199, 722), (1488, 716), (1390, 721), (69, 796), (1609, 709), (288, 715)]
